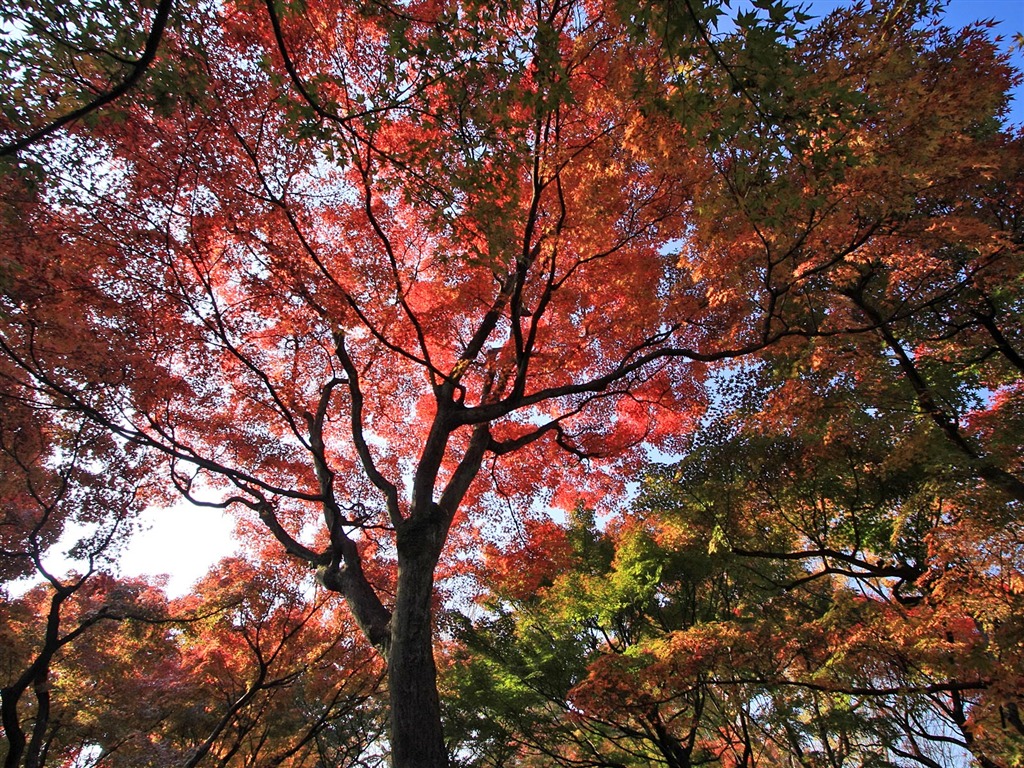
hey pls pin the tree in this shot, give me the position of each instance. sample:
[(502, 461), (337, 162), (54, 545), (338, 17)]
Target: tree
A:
[(61, 480), (833, 487), (376, 273), (247, 671), (825, 597), (252, 669), (280, 678), (63, 63)]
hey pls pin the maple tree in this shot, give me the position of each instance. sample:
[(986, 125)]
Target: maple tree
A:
[(831, 575), (378, 274), (653, 644), (827, 597), (304, 686), (250, 669), (68, 61), (44, 628), (247, 670), (67, 491)]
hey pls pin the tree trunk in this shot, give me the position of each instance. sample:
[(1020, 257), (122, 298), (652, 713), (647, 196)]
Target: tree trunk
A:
[(417, 737), (12, 727), (34, 752)]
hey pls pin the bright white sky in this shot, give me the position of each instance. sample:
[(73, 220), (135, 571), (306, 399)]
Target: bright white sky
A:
[(183, 542)]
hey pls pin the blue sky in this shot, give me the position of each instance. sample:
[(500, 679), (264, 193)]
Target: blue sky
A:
[(1009, 13)]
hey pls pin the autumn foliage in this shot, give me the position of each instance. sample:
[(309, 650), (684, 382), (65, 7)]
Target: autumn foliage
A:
[(593, 384)]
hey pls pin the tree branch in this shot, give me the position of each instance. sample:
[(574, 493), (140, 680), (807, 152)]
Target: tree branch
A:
[(156, 32)]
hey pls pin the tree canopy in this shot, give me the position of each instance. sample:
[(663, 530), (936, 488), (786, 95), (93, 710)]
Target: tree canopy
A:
[(595, 383)]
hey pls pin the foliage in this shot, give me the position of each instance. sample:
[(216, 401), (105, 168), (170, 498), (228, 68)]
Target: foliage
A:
[(402, 284)]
